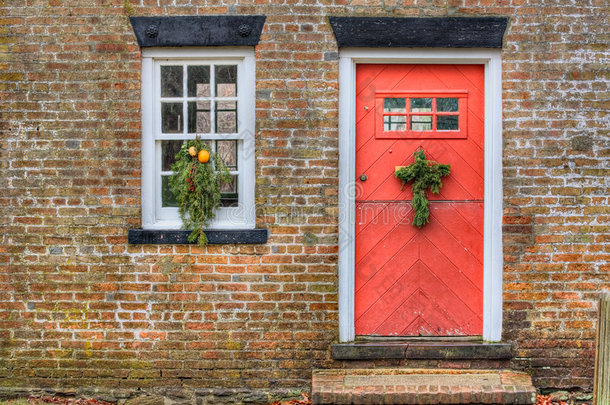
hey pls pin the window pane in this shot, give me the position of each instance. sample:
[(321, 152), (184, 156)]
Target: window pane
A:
[(171, 118), (167, 197), (171, 81), (169, 149), (199, 117), (447, 104), (394, 123), (421, 122), (421, 104), (394, 105), (447, 122), (230, 196), (226, 81), (226, 117), (227, 151), (198, 82)]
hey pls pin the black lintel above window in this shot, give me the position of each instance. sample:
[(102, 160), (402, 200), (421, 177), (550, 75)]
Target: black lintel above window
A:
[(201, 30), (413, 32)]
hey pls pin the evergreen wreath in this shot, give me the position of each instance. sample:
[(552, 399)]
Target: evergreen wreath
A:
[(198, 175), (426, 174)]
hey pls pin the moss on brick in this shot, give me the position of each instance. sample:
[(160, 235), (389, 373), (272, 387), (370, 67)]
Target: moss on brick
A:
[(246, 318)]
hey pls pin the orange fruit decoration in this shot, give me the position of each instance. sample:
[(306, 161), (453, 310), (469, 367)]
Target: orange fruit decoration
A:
[(192, 151), (204, 156)]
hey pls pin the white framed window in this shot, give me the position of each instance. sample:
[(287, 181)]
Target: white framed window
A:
[(206, 93)]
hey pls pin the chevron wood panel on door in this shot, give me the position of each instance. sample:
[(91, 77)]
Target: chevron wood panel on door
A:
[(405, 278), (376, 158), (410, 281)]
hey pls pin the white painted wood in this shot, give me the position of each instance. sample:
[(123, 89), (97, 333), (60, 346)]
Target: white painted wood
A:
[(154, 216), (248, 167), (418, 55), (492, 257), (220, 52), (148, 145), (492, 285), (347, 210)]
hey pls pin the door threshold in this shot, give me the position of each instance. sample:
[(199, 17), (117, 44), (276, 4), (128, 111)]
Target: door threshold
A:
[(421, 348), (373, 338)]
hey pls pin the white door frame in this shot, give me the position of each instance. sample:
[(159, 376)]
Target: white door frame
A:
[(492, 256)]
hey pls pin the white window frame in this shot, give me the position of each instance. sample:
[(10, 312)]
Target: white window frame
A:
[(153, 215), (492, 256)]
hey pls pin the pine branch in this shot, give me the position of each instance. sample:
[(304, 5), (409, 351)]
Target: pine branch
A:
[(426, 175), (196, 187)]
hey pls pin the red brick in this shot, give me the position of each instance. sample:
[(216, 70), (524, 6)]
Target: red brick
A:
[(70, 82)]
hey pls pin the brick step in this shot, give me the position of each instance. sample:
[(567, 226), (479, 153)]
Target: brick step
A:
[(421, 386)]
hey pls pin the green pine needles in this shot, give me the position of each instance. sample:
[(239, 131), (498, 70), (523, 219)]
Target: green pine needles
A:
[(196, 186), (425, 174)]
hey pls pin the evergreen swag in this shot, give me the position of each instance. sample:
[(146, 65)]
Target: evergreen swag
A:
[(426, 174), (196, 186)]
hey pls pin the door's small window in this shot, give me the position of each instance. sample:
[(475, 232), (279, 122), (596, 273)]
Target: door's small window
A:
[(421, 115)]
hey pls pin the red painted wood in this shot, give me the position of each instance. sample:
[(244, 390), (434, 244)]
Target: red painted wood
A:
[(411, 281), (376, 156), (465, 182)]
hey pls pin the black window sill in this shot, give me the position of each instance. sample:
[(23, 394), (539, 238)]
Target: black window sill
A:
[(446, 350), (179, 237)]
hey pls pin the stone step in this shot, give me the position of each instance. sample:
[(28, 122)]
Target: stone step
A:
[(421, 386)]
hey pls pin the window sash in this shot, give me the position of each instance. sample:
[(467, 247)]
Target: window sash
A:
[(154, 216)]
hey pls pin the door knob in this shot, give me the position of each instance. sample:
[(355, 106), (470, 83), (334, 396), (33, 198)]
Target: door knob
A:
[(363, 177)]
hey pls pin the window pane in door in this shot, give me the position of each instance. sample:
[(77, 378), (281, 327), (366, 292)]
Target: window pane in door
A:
[(421, 122), (447, 104), (447, 122), (394, 123), (421, 105), (394, 105)]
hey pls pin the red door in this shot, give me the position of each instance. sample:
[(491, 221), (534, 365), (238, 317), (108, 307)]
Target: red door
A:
[(410, 281)]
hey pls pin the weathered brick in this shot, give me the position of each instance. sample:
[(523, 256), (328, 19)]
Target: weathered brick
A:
[(70, 120)]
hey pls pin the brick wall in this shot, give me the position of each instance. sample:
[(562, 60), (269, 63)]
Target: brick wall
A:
[(79, 307), (555, 187)]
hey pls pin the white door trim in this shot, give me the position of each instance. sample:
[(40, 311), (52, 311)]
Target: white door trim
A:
[(492, 265)]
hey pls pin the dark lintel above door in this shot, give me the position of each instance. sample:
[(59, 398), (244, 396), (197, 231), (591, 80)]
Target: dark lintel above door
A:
[(410, 32)]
